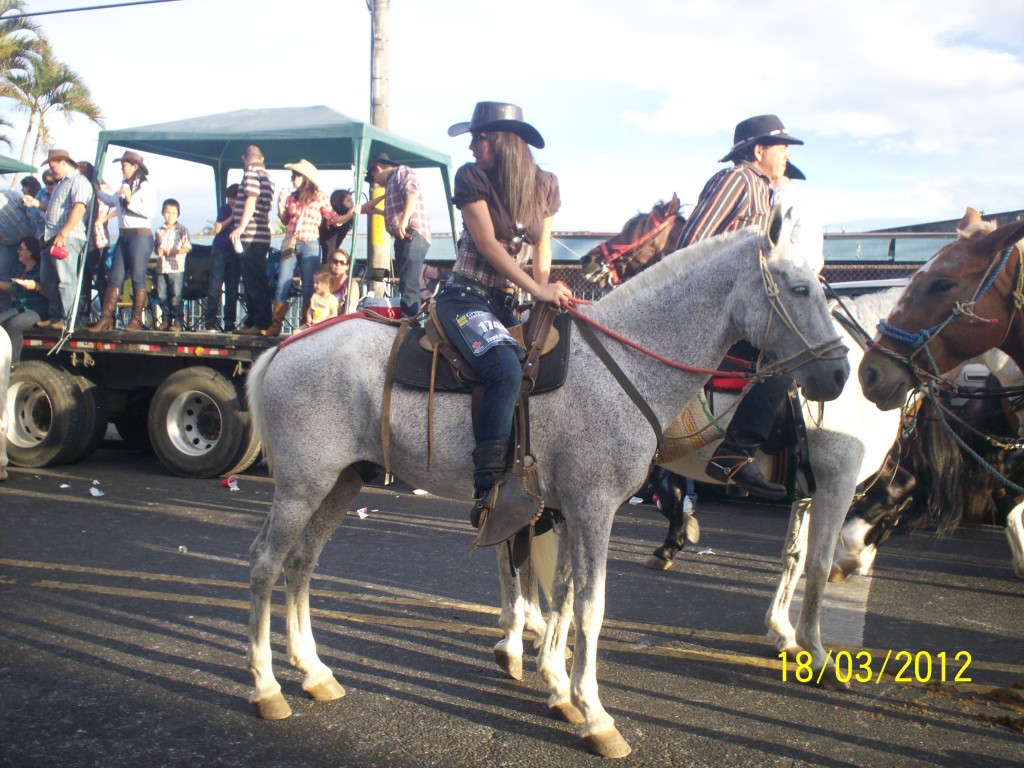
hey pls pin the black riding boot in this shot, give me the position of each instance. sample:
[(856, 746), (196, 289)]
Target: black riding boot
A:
[(733, 462), (490, 460)]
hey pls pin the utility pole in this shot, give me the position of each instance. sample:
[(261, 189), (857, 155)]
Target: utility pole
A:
[(377, 238)]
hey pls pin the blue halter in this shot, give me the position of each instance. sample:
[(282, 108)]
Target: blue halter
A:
[(921, 338)]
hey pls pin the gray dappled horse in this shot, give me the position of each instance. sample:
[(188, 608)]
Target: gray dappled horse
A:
[(5, 380), (689, 308)]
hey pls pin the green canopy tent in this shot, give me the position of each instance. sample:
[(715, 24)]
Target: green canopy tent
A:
[(329, 140), (10, 165)]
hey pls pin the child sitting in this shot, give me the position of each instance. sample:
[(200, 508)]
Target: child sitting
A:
[(322, 304), (172, 243)]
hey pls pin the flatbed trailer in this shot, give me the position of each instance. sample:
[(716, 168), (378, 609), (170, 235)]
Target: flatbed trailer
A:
[(180, 394)]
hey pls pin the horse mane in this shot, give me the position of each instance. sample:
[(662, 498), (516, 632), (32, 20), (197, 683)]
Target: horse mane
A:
[(977, 228), (867, 309), (679, 260)]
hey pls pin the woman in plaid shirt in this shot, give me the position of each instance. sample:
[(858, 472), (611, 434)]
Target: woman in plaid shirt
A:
[(302, 211), (507, 206)]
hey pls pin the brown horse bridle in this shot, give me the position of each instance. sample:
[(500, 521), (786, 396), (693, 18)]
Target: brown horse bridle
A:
[(610, 254)]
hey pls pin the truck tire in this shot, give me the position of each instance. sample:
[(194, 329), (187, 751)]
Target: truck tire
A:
[(46, 413), (197, 425), (94, 416)]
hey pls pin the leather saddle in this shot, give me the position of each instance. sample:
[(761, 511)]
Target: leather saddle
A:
[(416, 363)]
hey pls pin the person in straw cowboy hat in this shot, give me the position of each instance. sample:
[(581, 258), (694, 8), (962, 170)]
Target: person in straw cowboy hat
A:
[(507, 206), (737, 197), (302, 211), (135, 202)]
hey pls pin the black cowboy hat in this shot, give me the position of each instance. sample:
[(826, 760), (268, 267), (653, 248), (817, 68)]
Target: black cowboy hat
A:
[(763, 129), (793, 172), (499, 116), (381, 158)]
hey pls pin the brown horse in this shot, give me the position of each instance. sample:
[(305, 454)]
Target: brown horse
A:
[(966, 300), (642, 242)]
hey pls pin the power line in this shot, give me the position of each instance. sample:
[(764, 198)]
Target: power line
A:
[(87, 8)]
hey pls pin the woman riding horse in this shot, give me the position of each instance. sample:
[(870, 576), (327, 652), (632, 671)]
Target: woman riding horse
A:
[(507, 206)]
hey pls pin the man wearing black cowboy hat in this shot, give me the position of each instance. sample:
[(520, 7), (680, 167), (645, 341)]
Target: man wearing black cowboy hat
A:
[(734, 198), (405, 220)]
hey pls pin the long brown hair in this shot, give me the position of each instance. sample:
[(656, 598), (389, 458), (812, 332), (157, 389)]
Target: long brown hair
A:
[(515, 177), (307, 193)]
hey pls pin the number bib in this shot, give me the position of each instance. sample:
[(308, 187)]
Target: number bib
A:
[(482, 330)]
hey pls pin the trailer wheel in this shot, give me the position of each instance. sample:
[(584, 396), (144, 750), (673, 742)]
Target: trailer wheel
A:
[(196, 423), (94, 418), (45, 410)]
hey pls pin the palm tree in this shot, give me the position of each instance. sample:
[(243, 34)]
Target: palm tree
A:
[(19, 39), (49, 85)]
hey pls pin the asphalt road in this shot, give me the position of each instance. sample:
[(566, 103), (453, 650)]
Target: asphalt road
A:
[(123, 621)]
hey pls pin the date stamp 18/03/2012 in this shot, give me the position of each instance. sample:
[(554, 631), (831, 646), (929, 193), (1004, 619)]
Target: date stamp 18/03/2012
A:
[(867, 667)]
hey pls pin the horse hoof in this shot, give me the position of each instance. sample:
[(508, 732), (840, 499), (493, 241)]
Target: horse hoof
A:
[(567, 711), (272, 708), (692, 530), (607, 744), (326, 690), (655, 563), (837, 575), (829, 682), (512, 665)]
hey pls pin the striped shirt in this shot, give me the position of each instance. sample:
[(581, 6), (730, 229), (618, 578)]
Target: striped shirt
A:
[(255, 183), (70, 191), (304, 221), (733, 198), (400, 183), (170, 239), (14, 221)]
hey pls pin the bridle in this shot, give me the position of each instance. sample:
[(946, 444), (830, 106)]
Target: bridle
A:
[(610, 254), (919, 340), (828, 349)]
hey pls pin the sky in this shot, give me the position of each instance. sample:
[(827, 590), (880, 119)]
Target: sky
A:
[(911, 110)]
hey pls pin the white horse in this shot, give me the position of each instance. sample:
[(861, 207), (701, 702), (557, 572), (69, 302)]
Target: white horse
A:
[(854, 553), (5, 380), (847, 445), (691, 308)]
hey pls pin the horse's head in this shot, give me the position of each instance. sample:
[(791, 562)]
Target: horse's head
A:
[(794, 328), (641, 243), (957, 306)]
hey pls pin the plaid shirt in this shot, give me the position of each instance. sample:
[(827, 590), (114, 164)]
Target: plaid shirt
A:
[(14, 221), (304, 222), (71, 190), (400, 183), (733, 198), (172, 239), (255, 183)]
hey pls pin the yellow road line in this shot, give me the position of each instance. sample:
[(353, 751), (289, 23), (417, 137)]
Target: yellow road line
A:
[(405, 622)]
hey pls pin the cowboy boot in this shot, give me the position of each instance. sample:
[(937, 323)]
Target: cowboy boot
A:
[(106, 321), (733, 463), (490, 461), (274, 329), (140, 297)]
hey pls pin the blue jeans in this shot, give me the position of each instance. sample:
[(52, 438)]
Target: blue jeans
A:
[(168, 289), (409, 257), (60, 277), (499, 368), (131, 256), (8, 265), (226, 271), (308, 255), (15, 322), (253, 260)]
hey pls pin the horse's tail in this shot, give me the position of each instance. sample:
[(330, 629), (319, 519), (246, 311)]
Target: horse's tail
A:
[(254, 394), (544, 556)]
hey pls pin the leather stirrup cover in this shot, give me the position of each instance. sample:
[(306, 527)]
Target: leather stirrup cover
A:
[(511, 507)]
